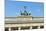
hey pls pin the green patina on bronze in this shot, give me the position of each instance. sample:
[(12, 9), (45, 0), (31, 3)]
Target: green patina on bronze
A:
[(25, 13)]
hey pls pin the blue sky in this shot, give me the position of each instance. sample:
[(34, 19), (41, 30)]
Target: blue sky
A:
[(12, 8)]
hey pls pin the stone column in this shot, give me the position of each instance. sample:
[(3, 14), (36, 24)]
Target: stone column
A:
[(9, 28), (19, 28), (30, 27), (38, 27)]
